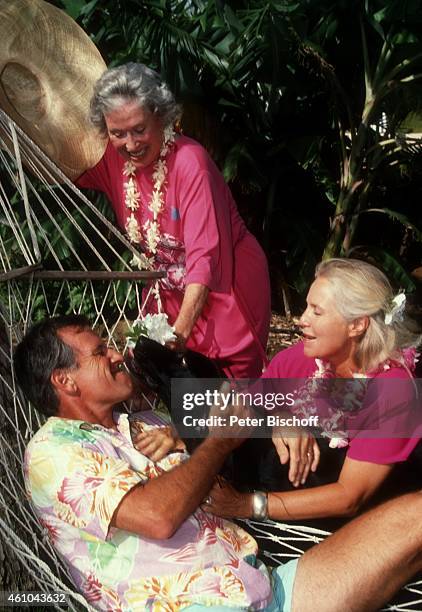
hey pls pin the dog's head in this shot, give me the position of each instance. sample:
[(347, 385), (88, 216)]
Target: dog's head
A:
[(155, 365)]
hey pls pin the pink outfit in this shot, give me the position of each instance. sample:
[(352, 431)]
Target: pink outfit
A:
[(203, 240), (391, 402)]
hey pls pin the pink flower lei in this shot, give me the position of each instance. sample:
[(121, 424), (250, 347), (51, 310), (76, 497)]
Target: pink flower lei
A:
[(330, 425)]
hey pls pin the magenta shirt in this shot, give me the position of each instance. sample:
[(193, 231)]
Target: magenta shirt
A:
[(292, 363), (199, 208), (204, 240)]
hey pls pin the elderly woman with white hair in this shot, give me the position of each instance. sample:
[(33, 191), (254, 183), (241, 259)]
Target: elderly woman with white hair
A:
[(174, 205), (353, 328)]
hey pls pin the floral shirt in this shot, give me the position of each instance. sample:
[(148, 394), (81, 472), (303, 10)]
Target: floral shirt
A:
[(76, 475)]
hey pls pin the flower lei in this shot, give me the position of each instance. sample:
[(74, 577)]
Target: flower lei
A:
[(151, 228), (313, 392), (351, 394)]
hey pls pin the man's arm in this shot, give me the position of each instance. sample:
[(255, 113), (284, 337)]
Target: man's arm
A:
[(158, 508)]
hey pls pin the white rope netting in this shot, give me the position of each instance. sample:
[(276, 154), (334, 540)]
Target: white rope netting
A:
[(59, 254), (281, 542)]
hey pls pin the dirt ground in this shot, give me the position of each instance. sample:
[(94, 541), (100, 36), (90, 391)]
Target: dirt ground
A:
[(283, 333)]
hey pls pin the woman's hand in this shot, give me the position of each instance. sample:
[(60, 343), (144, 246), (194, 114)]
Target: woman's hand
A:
[(157, 443), (223, 500), (301, 448), (179, 344)]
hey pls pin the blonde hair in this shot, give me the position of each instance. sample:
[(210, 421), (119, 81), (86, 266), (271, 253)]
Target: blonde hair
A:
[(362, 290)]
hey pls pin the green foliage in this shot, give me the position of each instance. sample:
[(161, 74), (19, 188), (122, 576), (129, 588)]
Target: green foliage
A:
[(386, 262), (288, 96)]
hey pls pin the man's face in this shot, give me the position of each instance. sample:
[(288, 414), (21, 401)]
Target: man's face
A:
[(100, 375)]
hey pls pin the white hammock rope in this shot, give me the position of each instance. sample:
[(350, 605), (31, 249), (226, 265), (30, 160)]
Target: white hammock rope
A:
[(15, 227), (24, 192), (34, 226), (43, 168), (40, 569)]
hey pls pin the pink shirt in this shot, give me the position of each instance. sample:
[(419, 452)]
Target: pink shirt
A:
[(199, 211), (391, 401), (203, 240)]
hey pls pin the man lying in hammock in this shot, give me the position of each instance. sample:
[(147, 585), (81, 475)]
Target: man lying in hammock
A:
[(133, 532)]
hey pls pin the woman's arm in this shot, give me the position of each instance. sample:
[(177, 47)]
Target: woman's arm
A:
[(357, 482), (192, 305), (204, 206)]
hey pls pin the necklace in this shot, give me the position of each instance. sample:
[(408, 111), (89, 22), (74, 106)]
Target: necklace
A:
[(346, 397), (151, 228), (311, 400)]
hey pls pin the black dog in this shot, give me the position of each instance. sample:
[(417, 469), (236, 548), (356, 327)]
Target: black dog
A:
[(155, 366), (255, 465)]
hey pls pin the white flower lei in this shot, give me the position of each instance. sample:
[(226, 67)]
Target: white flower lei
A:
[(151, 228), (156, 327)]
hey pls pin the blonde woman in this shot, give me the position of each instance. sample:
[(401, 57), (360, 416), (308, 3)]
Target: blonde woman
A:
[(353, 327)]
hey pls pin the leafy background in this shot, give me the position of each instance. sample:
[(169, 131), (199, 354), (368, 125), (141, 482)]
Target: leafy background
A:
[(304, 105)]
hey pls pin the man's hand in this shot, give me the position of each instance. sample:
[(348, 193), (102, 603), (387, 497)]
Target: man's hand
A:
[(224, 500), (157, 443), (301, 448), (234, 420)]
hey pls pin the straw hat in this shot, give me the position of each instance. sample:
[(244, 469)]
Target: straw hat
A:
[(48, 67)]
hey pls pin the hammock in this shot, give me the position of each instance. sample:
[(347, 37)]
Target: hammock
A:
[(59, 254)]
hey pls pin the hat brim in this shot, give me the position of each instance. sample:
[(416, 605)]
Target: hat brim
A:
[(48, 68)]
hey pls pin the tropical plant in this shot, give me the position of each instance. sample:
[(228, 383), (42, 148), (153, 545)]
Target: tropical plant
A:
[(368, 125), (290, 98)]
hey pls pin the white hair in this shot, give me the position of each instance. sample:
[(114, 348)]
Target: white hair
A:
[(130, 82)]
